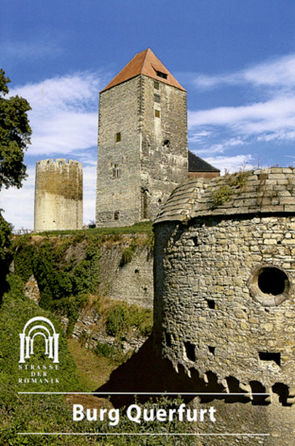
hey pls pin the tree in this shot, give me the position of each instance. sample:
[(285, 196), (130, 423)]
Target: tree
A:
[(15, 134)]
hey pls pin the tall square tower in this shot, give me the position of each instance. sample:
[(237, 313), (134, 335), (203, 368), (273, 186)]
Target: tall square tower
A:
[(142, 142)]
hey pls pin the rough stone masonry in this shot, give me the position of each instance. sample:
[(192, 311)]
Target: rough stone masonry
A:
[(142, 141), (224, 296)]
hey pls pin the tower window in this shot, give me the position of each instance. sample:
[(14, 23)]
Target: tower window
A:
[(161, 74), (144, 203), (156, 85), (118, 137), (116, 171), (157, 98), (157, 113), (116, 215)]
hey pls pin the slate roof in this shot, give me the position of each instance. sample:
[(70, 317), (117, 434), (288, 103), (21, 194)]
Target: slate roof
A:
[(197, 164), (144, 63)]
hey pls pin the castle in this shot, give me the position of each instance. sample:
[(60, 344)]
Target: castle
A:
[(224, 313), (142, 143), (224, 268), (142, 152)]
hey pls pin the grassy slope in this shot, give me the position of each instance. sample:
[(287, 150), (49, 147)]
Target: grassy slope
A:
[(24, 413)]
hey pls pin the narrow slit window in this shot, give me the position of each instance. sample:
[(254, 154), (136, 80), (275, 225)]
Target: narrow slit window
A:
[(157, 98), (157, 113), (118, 137), (190, 351)]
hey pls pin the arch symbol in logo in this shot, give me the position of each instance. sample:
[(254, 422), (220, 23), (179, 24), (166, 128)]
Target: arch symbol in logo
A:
[(38, 326)]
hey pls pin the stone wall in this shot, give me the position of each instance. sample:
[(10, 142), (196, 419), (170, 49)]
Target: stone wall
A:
[(164, 156), (131, 283), (214, 318), (58, 195), (224, 298), (118, 166), (141, 156)]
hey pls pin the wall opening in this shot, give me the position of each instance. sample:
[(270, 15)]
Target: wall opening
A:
[(269, 285), (269, 356), (283, 391), (161, 74), (157, 97), (190, 351), (144, 203), (211, 303), (259, 394), (196, 241), (211, 349), (116, 171), (157, 113), (156, 85), (168, 339), (272, 281), (116, 215), (118, 137)]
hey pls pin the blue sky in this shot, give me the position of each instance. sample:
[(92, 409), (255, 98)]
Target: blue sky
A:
[(236, 58)]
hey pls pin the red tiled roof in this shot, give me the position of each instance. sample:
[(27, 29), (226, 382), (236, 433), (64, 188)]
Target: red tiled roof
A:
[(144, 63)]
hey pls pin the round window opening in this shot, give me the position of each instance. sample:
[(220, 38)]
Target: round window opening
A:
[(272, 281), (269, 285)]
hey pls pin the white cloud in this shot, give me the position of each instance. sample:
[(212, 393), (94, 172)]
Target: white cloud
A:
[(268, 120), (232, 163), (23, 50), (198, 136), (89, 193), (18, 204), (64, 113), (278, 72), (273, 119), (221, 147)]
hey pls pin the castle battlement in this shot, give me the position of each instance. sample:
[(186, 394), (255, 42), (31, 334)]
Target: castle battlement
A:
[(58, 163)]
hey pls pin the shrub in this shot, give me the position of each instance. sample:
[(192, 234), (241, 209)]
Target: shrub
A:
[(118, 320)]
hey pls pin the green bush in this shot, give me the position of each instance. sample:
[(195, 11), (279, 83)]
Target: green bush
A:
[(61, 283), (118, 320), (122, 317), (106, 350)]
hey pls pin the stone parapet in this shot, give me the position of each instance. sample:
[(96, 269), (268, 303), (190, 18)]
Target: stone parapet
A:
[(269, 190)]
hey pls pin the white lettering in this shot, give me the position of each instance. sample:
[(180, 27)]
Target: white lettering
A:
[(212, 411), (181, 410), (78, 414), (92, 417), (161, 415), (136, 416), (114, 417)]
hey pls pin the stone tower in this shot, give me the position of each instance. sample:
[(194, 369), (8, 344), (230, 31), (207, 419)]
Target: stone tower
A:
[(142, 142), (225, 300), (58, 195)]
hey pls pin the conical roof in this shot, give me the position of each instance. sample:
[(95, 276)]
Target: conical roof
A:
[(148, 64)]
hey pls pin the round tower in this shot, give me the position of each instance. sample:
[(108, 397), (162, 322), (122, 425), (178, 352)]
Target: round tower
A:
[(58, 195), (225, 302)]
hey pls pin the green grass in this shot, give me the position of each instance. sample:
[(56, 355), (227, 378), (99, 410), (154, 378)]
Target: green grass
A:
[(143, 227)]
